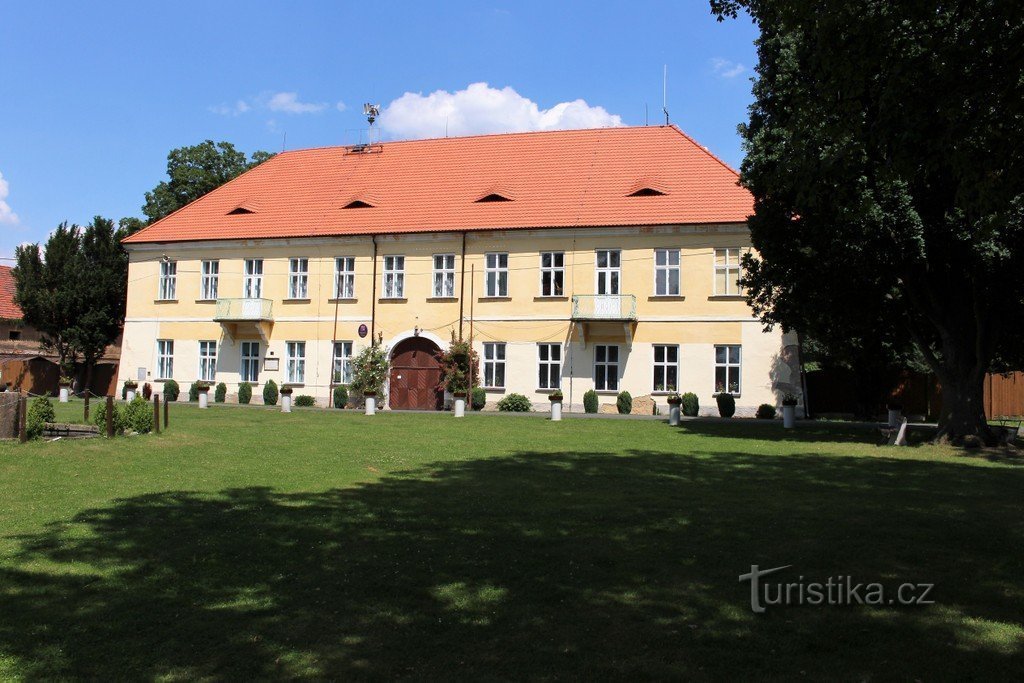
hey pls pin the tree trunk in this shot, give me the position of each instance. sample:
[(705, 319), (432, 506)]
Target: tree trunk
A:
[(88, 385), (963, 409)]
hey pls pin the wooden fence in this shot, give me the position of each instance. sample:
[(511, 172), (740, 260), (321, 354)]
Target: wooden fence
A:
[(1004, 395)]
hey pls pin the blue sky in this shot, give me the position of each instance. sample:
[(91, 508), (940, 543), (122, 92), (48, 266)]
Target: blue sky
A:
[(93, 96)]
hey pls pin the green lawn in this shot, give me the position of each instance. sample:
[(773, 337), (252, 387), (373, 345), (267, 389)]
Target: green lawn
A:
[(244, 543)]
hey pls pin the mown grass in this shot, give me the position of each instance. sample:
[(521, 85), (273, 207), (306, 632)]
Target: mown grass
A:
[(244, 543)]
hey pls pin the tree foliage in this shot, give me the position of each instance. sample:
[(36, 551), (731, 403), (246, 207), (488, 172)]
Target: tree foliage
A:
[(885, 153)]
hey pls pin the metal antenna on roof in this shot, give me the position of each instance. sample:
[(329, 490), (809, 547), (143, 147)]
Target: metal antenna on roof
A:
[(664, 94), (647, 117), (284, 141)]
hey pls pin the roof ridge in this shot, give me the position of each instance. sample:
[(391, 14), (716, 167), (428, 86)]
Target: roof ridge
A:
[(704, 149)]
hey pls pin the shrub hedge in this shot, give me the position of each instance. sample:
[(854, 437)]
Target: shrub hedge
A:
[(690, 405), (171, 390), (304, 401), (39, 412), (624, 403), (726, 404), (270, 393), (590, 401), (220, 394), (765, 411), (340, 396), (515, 403), (244, 393), (479, 398)]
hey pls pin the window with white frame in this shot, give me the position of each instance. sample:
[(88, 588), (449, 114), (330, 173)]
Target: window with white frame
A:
[(496, 274), (727, 369), (728, 272), (552, 273), (394, 277), (165, 359), (295, 370), (666, 367), (444, 275), (549, 366), (494, 365), (250, 370), (609, 264), (210, 280), (207, 360), (253, 282), (298, 278), (345, 277), (168, 280), (342, 364), (606, 367), (666, 272)]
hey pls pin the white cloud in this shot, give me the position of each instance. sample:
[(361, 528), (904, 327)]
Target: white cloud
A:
[(483, 109), (288, 102), (239, 107), (725, 68), (7, 215), (341, 106)]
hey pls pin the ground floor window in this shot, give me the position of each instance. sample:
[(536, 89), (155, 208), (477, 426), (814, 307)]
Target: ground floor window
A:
[(296, 356), (666, 367), (342, 373), (250, 370), (494, 365), (727, 369), (606, 367), (549, 363), (207, 360), (165, 358)]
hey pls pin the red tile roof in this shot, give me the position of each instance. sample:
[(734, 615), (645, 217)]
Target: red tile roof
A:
[(8, 309), (553, 179)]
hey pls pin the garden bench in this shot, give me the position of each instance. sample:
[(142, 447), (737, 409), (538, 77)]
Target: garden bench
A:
[(69, 430)]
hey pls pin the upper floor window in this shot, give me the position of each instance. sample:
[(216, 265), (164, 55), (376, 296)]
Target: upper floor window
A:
[(211, 276), (609, 263), (342, 366), (207, 360), (666, 272), (298, 278), (666, 367), (165, 358), (168, 280), (496, 274), (394, 277), (444, 275), (606, 367), (728, 272), (549, 366), (494, 365), (295, 369), (253, 284), (552, 273), (345, 277), (727, 369)]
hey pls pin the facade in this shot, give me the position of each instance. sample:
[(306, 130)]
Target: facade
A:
[(11, 326), (603, 259)]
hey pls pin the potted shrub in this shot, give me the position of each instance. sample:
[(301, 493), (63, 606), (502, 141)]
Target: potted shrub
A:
[(459, 365), (369, 373), (895, 411), (64, 384), (556, 398), (674, 400), (130, 387), (286, 399), (202, 390), (726, 404), (789, 402)]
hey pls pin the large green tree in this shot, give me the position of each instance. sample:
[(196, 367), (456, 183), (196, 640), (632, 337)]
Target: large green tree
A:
[(885, 153), (193, 171)]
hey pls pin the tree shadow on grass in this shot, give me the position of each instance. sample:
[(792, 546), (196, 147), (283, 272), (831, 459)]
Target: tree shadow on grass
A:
[(534, 566), (805, 432)]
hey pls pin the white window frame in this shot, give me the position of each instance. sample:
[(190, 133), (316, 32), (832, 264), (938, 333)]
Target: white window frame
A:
[(494, 357), (345, 277), (295, 362), (444, 276), (608, 277), (393, 283), (252, 283), (607, 365), (165, 358), (168, 281), (553, 272), (298, 278), (663, 366), (341, 362), (249, 367), (668, 268), (730, 364), (729, 266), (207, 360), (545, 366), (210, 283), (496, 274)]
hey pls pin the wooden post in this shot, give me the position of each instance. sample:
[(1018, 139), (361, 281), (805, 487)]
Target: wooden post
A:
[(22, 417), (156, 413), (86, 405), (110, 417), (166, 412)]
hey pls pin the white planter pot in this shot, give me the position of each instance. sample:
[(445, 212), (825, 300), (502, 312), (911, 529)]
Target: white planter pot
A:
[(673, 414), (556, 411), (788, 417), (286, 403), (460, 406), (129, 395), (371, 405), (64, 391), (204, 399), (895, 417)]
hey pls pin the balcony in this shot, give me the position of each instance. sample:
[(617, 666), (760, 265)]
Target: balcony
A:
[(243, 310), (604, 307)]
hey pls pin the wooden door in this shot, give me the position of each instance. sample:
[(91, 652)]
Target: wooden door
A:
[(415, 374)]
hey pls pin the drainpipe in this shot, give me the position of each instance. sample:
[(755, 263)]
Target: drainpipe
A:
[(373, 299), (462, 284)]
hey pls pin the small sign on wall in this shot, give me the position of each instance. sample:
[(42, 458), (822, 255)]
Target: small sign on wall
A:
[(141, 375), (272, 364)]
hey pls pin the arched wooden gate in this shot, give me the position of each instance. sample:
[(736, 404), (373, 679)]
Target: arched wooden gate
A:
[(415, 374)]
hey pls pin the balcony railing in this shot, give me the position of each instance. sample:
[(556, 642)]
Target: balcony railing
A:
[(604, 307), (243, 310)]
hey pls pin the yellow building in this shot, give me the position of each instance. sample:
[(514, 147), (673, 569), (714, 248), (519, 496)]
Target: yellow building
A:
[(600, 259)]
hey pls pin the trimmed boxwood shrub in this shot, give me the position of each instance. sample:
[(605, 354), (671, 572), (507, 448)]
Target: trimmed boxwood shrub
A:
[(220, 394), (726, 404), (138, 416), (340, 396), (270, 393), (39, 411), (244, 393), (624, 402), (479, 398), (690, 406), (171, 390), (590, 401), (99, 418), (515, 403), (304, 401), (193, 391), (765, 411)]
